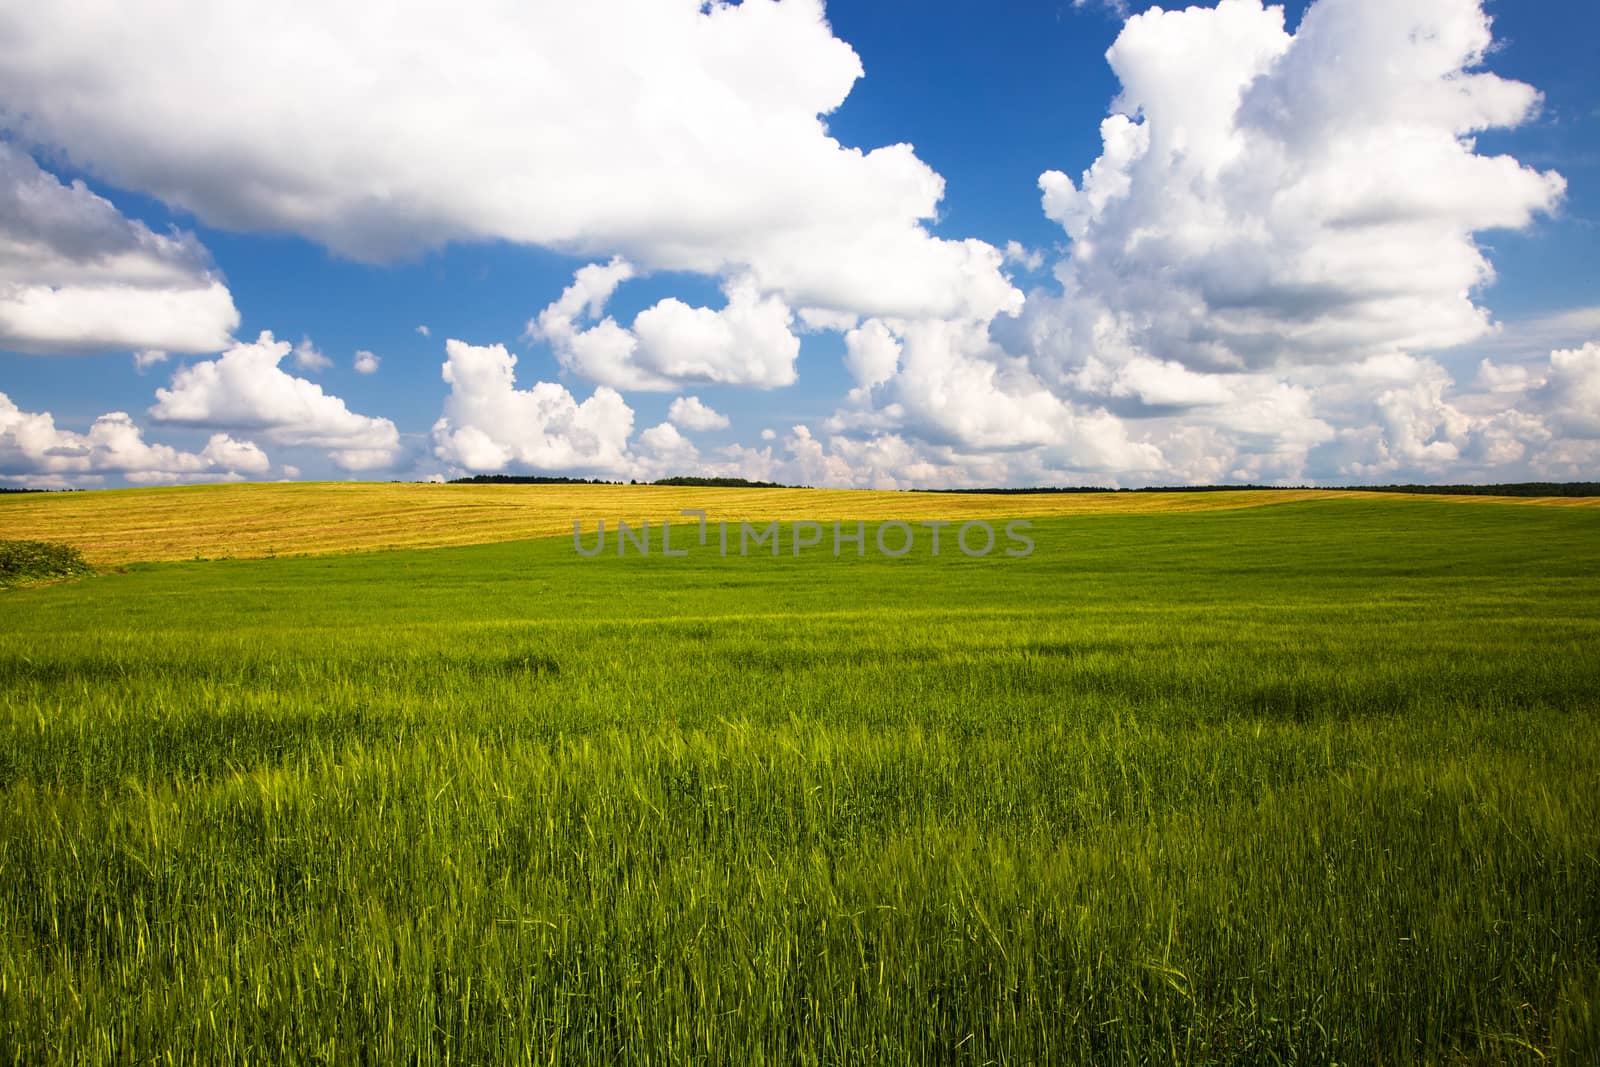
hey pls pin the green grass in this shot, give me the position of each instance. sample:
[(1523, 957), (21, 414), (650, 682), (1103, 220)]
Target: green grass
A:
[(1309, 783)]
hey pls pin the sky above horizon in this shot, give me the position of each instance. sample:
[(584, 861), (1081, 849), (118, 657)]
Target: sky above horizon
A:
[(881, 244)]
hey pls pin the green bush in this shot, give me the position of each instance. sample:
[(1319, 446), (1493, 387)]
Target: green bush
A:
[(25, 562)]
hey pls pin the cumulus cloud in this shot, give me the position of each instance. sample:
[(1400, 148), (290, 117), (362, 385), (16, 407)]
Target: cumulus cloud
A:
[(1571, 391), (820, 320), (667, 451), (1118, 8), (1407, 418), (246, 389), (424, 331), (366, 362), (886, 460), (308, 357), (34, 450), (1276, 225), (957, 386), (1565, 329), (78, 276), (1026, 258), (945, 382), (688, 136), (872, 354), (1266, 198), (1279, 235), (747, 342), (1150, 385), (230, 454), (1422, 430), (692, 413), (489, 424)]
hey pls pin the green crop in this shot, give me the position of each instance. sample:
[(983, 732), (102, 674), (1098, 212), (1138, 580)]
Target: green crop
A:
[(1315, 782)]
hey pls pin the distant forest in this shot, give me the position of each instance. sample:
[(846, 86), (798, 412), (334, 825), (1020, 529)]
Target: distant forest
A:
[(528, 479), (726, 483), (542, 479), (1510, 489)]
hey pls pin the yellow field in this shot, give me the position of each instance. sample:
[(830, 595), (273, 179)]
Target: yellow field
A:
[(216, 521)]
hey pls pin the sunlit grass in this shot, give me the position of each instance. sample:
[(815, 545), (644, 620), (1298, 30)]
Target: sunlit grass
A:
[(1311, 783)]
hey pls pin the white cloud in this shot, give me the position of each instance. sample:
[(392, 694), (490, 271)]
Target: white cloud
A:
[(1278, 232), (1422, 430), (668, 451), (1275, 224), (33, 449), (1144, 386), (1266, 198), (1404, 418), (245, 389), (685, 135), (958, 387), (819, 320), (366, 362), (887, 460), (1505, 378), (872, 354), (947, 383), (603, 352), (692, 413), (1559, 330), (1118, 8), (1026, 258), (748, 342), (1572, 391), (424, 331), (78, 276), (489, 424), (146, 358), (244, 457), (307, 356)]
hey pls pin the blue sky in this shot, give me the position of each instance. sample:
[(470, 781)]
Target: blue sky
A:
[(1343, 242)]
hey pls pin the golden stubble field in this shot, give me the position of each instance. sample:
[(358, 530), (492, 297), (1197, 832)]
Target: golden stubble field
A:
[(314, 518)]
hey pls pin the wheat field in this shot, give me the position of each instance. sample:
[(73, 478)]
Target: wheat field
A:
[(251, 521)]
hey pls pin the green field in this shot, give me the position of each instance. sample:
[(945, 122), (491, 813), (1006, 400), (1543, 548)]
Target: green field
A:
[(1313, 782)]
